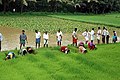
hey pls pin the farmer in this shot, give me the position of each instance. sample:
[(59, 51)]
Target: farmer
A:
[(107, 36), (26, 50), (45, 37), (103, 35), (10, 55), (74, 36), (92, 34), (82, 48), (64, 49), (98, 35), (91, 45), (38, 38), (86, 35), (1, 38), (23, 39), (59, 37), (114, 36)]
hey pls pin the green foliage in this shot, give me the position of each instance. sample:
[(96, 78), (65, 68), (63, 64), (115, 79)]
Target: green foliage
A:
[(106, 19), (50, 64)]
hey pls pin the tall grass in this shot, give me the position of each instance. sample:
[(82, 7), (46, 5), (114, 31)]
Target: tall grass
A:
[(51, 64)]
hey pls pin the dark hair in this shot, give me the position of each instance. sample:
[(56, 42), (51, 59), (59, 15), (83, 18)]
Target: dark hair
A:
[(75, 29), (58, 30), (36, 31), (92, 28), (91, 40), (98, 27), (23, 30), (86, 30), (104, 28)]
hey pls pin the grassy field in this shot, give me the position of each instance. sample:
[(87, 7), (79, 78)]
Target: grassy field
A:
[(51, 64), (51, 24), (105, 19)]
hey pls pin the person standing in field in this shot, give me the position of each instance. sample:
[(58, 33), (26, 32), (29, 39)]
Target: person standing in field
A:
[(103, 35), (92, 34), (74, 36), (107, 36), (59, 37), (38, 38), (23, 39), (98, 35), (1, 38), (45, 37), (114, 37), (86, 35)]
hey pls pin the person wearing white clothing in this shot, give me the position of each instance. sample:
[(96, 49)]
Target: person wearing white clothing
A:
[(74, 36), (98, 35), (86, 35), (1, 38), (59, 37), (92, 34), (104, 35), (45, 37), (38, 38)]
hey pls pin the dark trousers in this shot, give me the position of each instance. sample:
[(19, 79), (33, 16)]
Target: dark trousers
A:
[(107, 39), (0, 45), (103, 39)]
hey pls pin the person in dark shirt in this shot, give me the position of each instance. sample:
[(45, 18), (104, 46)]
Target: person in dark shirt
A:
[(23, 39)]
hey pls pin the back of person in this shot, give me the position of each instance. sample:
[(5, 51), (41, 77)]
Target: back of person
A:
[(23, 51), (10, 55), (82, 49), (30, 50), (64, 49)]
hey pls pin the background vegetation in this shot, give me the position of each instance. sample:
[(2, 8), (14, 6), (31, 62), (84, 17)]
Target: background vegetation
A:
[(85, 6)]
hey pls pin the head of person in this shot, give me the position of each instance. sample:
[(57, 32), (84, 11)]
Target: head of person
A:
[(23, 31), (104, 28), (36, 31), (98, 28), (75, 29), (92, 28), (86, 30), (58, 30), (45, 32), (91, 41), (113, 31)]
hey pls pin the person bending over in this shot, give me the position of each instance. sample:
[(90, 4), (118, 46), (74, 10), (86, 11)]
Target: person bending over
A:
[(10, 55), (64, 49)]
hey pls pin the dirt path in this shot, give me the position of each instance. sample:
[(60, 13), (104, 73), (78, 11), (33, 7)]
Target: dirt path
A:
[(11, 38)]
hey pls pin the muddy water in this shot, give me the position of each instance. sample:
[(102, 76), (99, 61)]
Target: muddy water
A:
[(11, 38)]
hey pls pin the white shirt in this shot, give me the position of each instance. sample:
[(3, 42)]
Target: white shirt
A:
[(45, 36), (59, 35), (86, 35), (74, 34), (98, 32), (104, 32), (1, 37), (38, 35), (107, 33), (92, 34)]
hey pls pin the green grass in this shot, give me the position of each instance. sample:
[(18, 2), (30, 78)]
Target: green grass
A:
[(105, 19), (51, 64), (45, 22)]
